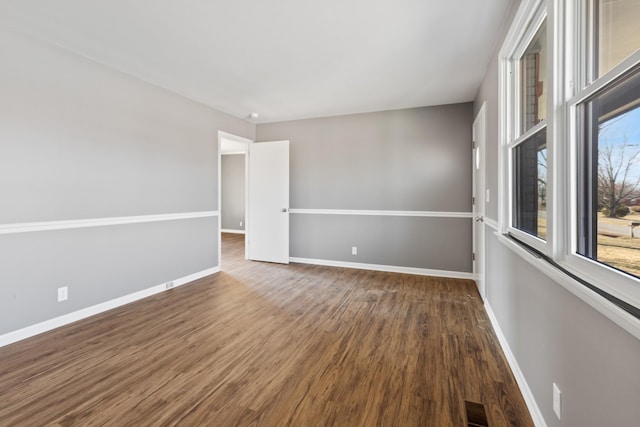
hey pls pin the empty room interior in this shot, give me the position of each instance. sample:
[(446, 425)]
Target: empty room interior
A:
[(320, 213)]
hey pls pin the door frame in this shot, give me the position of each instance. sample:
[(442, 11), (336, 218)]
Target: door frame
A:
[(224, 135), (478, 186)]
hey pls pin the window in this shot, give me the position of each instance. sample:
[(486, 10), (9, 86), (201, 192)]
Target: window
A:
[(570, 143), (528, 145), (616, 32), (532, 82), (608, 141), (530, 193), (610, 175)]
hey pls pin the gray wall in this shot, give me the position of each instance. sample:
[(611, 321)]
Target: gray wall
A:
[(98, 264), (405, 160), (489, 92), (554, 335), (414, 242), (79, 140), (233, 197)]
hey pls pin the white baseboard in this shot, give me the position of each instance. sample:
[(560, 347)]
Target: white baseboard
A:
[(534, 410), (48, 325), (228, 230), (389, 268)]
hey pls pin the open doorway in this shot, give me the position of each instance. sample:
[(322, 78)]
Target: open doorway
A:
[(232, 195)]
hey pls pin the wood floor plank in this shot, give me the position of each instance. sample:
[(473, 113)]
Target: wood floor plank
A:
[(263, 344)]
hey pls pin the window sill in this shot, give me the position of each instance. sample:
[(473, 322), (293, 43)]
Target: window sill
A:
[(617, 315)]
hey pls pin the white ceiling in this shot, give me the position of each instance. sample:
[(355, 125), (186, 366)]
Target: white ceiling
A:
[(285, 59)]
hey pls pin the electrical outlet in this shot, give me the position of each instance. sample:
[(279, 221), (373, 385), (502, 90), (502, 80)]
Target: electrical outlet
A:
[(557, 401), (354, 250), (240, 223), (169, 285), (63, 293)]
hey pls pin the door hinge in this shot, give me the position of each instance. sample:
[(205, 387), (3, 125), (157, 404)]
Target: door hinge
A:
[(473, 256), (473, 200), (473, 145)]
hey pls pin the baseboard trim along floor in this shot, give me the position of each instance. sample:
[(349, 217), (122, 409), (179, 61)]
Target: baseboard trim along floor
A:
[(48, 325), (534, 410), (387, 268)]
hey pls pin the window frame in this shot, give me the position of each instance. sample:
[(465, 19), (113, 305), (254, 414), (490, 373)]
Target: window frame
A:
[(513, 133), (571, 80)]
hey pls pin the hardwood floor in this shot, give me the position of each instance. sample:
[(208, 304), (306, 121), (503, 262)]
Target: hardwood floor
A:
[(270, 345)]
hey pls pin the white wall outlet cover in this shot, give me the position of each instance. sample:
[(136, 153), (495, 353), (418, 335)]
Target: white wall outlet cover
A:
[(63, 293), (488, 195), (354, 250)]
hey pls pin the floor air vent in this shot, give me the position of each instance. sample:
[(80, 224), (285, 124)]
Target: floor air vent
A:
[(476, 416)]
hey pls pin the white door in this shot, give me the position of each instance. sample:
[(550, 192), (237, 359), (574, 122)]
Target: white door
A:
[(268, 221), (479, 199)]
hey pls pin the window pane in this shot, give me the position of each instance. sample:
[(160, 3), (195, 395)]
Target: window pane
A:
[(612, 211), (618, 32), (533, 65), (530, 166)]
